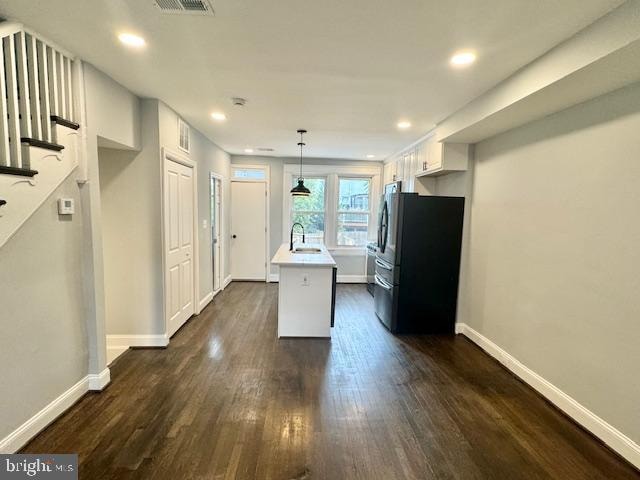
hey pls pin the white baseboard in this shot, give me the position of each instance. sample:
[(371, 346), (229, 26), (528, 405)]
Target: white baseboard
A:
[(98, 382), (226, 282), (205, 301), (614, 438), (351, 279), (114, 352), (25, 432), (275, 278), (137, 340), (118, 344)]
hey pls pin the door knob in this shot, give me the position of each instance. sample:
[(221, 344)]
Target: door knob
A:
[(233, 236)]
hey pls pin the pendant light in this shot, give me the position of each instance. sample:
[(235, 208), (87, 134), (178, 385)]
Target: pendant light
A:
[(300, 190)]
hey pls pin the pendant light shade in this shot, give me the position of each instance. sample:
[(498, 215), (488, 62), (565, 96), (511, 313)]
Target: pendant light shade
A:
[(300, 190)]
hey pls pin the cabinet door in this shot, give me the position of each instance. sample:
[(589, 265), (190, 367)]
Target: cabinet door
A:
[(434, 156), (388, 172), (420, 159)]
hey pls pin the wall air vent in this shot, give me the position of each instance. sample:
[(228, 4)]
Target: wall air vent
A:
[(185, 7), (184, 138)]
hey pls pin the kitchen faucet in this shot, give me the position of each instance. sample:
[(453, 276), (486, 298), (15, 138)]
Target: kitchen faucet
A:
[(291, 237)]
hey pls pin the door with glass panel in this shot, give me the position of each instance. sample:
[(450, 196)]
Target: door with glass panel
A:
[(215, 209)]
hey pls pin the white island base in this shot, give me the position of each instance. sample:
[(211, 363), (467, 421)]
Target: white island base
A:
[(305, 292)]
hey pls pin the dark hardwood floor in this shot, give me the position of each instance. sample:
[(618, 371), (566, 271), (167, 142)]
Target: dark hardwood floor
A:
[(227, 400)]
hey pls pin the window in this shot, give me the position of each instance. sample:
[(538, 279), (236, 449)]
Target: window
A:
[(309, 211), (342, 209), (249, 173), (352, 220)]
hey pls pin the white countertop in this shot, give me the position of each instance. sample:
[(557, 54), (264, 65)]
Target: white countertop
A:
[(284, 257)]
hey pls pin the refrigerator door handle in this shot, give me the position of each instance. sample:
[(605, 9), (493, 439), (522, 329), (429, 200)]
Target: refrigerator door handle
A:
[(384, 265), (382, 283), (384, 227)]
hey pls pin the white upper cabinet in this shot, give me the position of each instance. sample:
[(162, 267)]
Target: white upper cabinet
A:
[(440, 158)]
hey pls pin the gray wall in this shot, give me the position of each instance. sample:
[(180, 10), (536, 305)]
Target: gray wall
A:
[(347, 265), (554, 252), (131, 233), (43, 346), (132, 225), (211, 158)]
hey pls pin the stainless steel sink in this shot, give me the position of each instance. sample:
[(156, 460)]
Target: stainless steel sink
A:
[(306, 250)]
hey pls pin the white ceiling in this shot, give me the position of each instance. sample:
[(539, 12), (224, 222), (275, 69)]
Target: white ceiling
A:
[(347, 70)]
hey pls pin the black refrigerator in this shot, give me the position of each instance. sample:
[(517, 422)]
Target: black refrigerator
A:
[(418, 262)]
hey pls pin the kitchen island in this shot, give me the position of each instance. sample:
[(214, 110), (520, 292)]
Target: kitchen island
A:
[(306, 290)]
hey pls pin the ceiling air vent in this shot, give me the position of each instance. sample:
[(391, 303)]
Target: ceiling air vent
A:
[(185, 7)]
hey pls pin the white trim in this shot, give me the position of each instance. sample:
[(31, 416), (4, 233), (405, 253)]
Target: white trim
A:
[(267, 182), (138, 340), (98, 381), (226, 282), (612, 437), (114, 352), (221, 224), (205, 301), (274, 277), (351, 279), (29, 429), (167, 154)]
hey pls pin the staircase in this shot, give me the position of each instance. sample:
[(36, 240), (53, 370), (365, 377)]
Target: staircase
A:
[(38, 131)]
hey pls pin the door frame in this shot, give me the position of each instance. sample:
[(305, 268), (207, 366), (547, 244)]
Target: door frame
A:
[(221, 232), (267, 182), (169, 155)]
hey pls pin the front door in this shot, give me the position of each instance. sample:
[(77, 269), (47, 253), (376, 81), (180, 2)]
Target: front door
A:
[(178, 244), (248, 230)]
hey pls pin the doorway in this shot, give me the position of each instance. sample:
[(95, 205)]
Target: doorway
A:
[(180, 240), (249, 222), (215, 204)]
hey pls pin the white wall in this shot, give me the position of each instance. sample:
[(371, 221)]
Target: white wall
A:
[(43, 345), (347, 264), (553, 262)]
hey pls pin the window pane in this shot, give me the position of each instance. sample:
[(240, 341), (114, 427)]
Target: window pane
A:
[(315, 201), (313, 224), (352, 229), (249, 173), (354, 194)]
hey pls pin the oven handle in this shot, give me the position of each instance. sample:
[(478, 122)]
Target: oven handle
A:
[(382, 283), (382, 264)]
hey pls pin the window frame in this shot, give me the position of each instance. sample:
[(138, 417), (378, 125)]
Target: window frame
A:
[(332, 174), (356, 212), (292, 183)]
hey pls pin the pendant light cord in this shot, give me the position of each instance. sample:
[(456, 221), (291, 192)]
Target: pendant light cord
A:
[(301, 144)]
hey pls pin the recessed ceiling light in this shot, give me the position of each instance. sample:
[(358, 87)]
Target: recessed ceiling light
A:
[(218, 116), (404, 124), (248, 150), (131, 40), (462, 59), (371, 156)]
